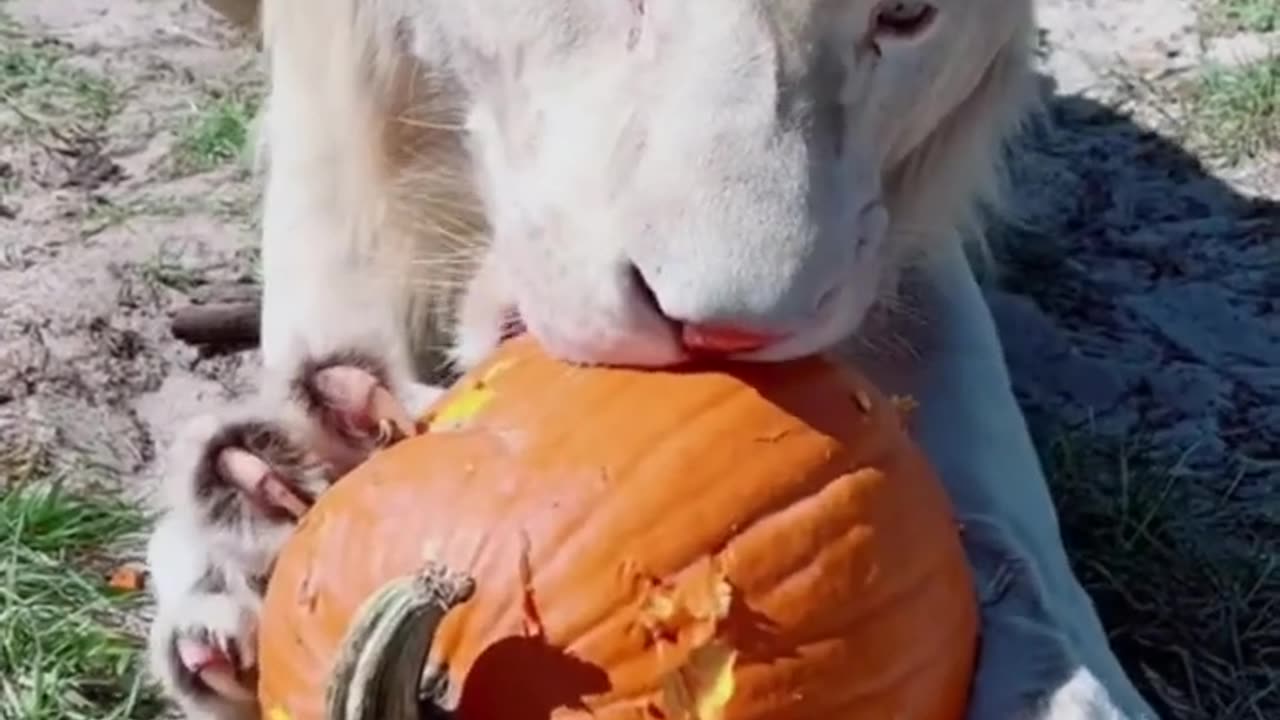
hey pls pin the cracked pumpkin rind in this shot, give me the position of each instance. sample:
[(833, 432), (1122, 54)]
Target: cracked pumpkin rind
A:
[(619, 524)]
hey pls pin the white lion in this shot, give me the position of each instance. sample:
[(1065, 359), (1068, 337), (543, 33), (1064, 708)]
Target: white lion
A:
[(633, 181)]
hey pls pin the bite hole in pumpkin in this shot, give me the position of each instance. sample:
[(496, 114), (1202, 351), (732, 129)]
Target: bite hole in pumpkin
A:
[(526, 678), (382, 671)]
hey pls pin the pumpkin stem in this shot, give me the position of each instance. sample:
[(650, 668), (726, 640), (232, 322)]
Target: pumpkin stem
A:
[(379, 671)]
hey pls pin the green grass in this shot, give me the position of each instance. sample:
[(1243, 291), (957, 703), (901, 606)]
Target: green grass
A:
[(216, 134), (1230, 16), (63, 655), (232, 207), (1187, 584), (1235, 111), (39, 86)]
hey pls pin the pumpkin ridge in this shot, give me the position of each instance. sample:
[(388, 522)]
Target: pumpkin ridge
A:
[(812, 512), (907, 588), (545, 582), (326, 583), (914, 659), (615, 473), (620, 496), (518, 542), (493, 559), (686, 562), (775, 492), (546, 407), (611, 623), (464, 548), (786, 496), (819, 478), (893, 596), (840, 690), (787, 514), (847, 530), (836, 536), (489, 554), (836, 549), (623, 622), (544, 555), (563, 636), (920, 662)]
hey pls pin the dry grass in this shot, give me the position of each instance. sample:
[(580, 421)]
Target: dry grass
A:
[(1231, 16), (1187, 582), (63, 644), (217, 133), (43, 91), (1235, 111)]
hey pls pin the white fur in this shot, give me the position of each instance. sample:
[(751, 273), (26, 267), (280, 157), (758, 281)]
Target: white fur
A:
[(1045, 654), (433, 165), (701, 155)]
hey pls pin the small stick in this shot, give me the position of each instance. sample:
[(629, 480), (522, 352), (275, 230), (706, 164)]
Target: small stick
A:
[(225, 292), (218, 327)]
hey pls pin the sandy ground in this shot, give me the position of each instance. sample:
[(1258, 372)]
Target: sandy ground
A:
[(103, 237), (1165, 285), (1141, 298)]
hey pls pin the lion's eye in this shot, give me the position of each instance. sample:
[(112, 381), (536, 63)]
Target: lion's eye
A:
[(905, 19)]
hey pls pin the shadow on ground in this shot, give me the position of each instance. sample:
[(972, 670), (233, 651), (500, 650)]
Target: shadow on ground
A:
[(1139, 304)]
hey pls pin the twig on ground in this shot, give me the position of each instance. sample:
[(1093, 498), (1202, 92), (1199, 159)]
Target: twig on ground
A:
[(218, 328)]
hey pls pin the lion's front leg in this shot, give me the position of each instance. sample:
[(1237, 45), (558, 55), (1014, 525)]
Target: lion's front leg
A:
[(336, 381), (1045, 655)]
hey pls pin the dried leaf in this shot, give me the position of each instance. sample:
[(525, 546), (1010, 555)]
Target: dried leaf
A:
[(128, 578)]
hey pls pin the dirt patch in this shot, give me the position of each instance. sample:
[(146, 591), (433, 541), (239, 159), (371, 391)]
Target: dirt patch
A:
[(1139, 317), (103, 234)]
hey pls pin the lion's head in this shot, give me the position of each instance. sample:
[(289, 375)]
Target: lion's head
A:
[(664, 175)]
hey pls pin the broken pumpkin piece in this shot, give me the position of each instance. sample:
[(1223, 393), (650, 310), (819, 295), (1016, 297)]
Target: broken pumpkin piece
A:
[(702, 687), (695, 606), (708, 591), (128, 578)]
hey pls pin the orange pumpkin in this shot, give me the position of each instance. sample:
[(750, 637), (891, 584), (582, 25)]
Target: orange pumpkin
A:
[(755, 542)]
